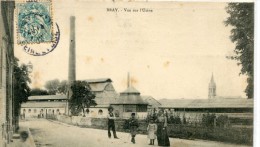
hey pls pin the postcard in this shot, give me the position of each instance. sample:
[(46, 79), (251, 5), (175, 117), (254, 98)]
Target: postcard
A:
[(127, 73)]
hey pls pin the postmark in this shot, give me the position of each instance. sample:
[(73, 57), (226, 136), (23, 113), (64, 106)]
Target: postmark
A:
[(37, 33), (41, 50)]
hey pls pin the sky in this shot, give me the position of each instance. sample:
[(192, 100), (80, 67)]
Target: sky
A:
[(169, 53)]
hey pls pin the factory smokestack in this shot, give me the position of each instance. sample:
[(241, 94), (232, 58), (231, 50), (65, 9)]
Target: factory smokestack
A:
[(72, 53), (72, 61)]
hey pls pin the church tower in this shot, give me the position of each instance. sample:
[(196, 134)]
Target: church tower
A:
[(212, 88)]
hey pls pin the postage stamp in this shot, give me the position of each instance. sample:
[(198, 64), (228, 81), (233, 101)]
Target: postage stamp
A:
[(37, 33), (34, 22)]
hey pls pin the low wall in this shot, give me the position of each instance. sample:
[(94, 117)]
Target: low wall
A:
[(98, 123), (233, 135)]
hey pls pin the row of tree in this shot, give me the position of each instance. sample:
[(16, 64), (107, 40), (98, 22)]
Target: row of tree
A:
[(52, 87)]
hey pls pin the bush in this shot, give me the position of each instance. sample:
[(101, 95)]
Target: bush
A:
[(174, 119), (208, 120), (222, 121)]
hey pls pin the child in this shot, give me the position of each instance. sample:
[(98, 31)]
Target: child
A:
[(133, 125), (152, 128)]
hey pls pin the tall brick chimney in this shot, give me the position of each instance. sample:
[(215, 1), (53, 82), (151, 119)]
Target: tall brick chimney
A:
[(72, 53), (72, 60)]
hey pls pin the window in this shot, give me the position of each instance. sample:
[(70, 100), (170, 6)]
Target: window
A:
[(24, 110), (58, 110), (141, 108), (29, 111), (100, 112), (129, 108)]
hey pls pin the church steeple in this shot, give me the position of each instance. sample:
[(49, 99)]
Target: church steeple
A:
[(212, 88)]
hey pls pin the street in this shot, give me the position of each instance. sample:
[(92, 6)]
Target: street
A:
[(55, 134)]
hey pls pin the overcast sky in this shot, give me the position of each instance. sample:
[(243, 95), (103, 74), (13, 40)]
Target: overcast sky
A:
[(170, 53)]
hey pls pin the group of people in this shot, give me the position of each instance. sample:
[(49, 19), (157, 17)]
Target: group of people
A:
[(157, 128)]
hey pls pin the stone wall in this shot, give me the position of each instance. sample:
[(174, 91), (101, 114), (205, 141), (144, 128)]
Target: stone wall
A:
[(233, 135), (98, 123)]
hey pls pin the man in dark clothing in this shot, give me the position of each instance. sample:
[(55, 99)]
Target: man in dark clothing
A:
[(111, 122), (133, 125)]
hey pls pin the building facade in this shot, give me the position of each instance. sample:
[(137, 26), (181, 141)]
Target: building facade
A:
[(239, 110), (56, 104), (130, 101), (6, 71), (41, 106), (105, 94)]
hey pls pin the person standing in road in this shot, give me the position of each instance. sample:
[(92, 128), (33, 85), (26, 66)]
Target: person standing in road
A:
[(133, 125), (152, 129), (111, 122), (162, 134)]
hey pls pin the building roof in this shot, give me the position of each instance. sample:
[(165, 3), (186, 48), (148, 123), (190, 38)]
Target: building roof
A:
[(151, 101), (47, 97), (207, 103), (130, 90), (130, 96), (98, 85), (100, 80), (130, 99), (43, 105)]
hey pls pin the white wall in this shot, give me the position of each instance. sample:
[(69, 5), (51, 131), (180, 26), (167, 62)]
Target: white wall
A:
[(36, 111), (93, 112)]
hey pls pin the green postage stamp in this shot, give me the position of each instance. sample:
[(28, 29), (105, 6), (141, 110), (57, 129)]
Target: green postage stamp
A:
[(34, 22)]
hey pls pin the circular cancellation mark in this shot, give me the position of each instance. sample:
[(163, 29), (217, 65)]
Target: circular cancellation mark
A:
[(42, 49)]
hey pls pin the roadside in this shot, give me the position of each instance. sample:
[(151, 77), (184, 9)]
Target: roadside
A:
[(17, 142), (57, 134)]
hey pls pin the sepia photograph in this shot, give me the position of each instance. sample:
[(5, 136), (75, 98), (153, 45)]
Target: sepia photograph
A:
[(82, 73)]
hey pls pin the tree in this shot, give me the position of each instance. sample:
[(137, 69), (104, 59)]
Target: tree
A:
[(52, 86), (62, 89), (82, 97), (56, 87), (241, 18), (38, 91), (21, 81)]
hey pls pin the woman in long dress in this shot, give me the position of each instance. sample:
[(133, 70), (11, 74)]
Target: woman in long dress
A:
[(162, 134)]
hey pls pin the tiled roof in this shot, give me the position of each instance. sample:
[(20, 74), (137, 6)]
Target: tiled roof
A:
[(101, 80), (44, 105), (95, 87), (98, 84), (130, 96), (208, 103), (130, 99), (47, 97), (131, 90), (151, 101)]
